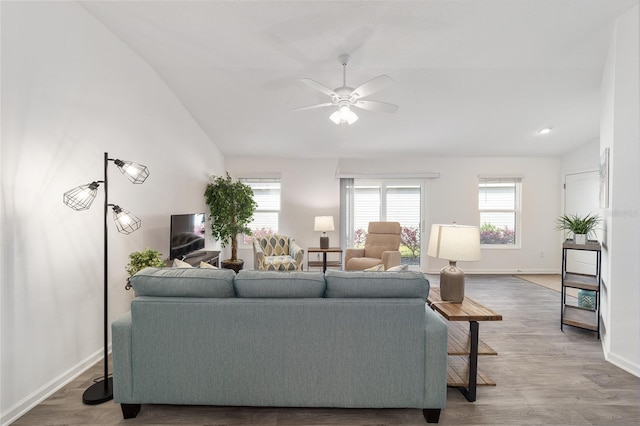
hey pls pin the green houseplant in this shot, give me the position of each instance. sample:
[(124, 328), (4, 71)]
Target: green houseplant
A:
[(138, 260), (578, 226), (231, 207)]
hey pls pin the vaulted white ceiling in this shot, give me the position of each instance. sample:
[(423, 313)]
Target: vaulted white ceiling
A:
[(471, 77)]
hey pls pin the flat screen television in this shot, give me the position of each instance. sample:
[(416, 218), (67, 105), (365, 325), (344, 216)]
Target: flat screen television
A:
[(187, 235)]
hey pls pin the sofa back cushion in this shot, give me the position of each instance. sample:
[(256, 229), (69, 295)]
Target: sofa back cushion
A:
[(273, 284), (347, 284), (184, 282)]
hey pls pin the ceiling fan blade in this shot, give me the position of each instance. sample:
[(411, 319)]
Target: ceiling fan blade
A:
[(319, 87), (376, 106), (326, 104), (373, 85)]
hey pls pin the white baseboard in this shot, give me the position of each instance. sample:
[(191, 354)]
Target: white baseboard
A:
[(625, 364), (27, 403)]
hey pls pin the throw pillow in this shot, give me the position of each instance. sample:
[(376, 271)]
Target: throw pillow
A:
[(177, 263), (207, 265), (398, 268), (377, 268)]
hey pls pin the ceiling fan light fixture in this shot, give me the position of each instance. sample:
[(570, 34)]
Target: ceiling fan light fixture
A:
[(346, 97), (343, 115)]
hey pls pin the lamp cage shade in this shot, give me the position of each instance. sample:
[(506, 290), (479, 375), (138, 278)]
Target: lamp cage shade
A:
[(126, 222), (81, 197), (136, 173), (323, 223), (455, 242)]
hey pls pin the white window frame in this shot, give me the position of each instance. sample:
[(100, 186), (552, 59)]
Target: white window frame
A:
[(245, 240), (347, 205), (517, 210)]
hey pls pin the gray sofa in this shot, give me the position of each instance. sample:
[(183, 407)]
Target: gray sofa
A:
[(282, 339)]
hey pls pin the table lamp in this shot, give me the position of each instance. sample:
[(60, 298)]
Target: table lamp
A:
[(324, 224), (454, 243)]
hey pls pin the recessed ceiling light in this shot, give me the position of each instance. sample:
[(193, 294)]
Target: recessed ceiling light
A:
[(544, 131)]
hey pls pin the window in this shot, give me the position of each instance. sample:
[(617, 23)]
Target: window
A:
[(499, 205), (266, 193), (370, 200)]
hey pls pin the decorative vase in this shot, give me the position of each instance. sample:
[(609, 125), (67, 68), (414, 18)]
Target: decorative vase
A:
[(580, 238)]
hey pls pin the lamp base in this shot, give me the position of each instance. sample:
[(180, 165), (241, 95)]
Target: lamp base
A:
[(324, 242), (452, 283), (98, 393)]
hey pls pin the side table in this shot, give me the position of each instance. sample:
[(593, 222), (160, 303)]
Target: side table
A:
[(463, 372), (324, 263)]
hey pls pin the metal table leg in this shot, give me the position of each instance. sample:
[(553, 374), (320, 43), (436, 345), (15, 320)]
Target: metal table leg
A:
[(470, 393)]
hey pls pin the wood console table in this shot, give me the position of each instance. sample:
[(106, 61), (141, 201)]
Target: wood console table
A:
[(463, 372)]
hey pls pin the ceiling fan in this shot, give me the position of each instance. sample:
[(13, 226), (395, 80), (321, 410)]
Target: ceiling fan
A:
[(346, 97)]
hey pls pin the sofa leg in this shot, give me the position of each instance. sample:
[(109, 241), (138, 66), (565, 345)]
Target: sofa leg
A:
[(431, 415), (130, 411)]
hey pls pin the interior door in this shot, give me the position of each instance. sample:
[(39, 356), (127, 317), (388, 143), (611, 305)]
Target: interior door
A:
[(581, 196)]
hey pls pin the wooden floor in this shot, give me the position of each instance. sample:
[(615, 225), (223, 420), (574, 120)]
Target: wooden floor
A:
[(544, 377)]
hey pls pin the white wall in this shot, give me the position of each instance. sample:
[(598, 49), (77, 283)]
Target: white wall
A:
[(70, 92), (620, 132), (583, 159), (310, 188)]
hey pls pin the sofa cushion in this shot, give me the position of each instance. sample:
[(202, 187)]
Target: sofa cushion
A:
[(404, 284), (280, 263), (377, 268), (398, 268), (286, 285), (184, 282), (177, 263)]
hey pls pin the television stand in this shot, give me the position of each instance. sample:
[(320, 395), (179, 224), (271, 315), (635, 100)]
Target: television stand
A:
[(194, 259)]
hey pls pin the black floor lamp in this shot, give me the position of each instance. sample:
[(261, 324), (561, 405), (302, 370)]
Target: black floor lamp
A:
[(81, 198)]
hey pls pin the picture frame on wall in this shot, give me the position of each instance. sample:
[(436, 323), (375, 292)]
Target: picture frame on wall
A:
[(604, 179)]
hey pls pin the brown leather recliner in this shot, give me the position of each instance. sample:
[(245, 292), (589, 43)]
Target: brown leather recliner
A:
[(382, 246)]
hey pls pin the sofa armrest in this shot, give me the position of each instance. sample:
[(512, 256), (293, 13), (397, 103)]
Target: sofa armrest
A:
[(258, 255), (391, 259), (121, 351), (435, 330), (297, 253)]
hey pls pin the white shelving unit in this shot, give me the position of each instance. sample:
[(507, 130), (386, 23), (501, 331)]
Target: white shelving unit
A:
[(574, 315)]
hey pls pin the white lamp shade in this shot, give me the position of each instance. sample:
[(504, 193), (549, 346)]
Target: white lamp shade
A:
[(323, 224), (455, 242)]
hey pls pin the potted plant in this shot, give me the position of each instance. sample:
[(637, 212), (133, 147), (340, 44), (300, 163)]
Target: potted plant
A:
[(231, 207), (580, 227), (138, 260)]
